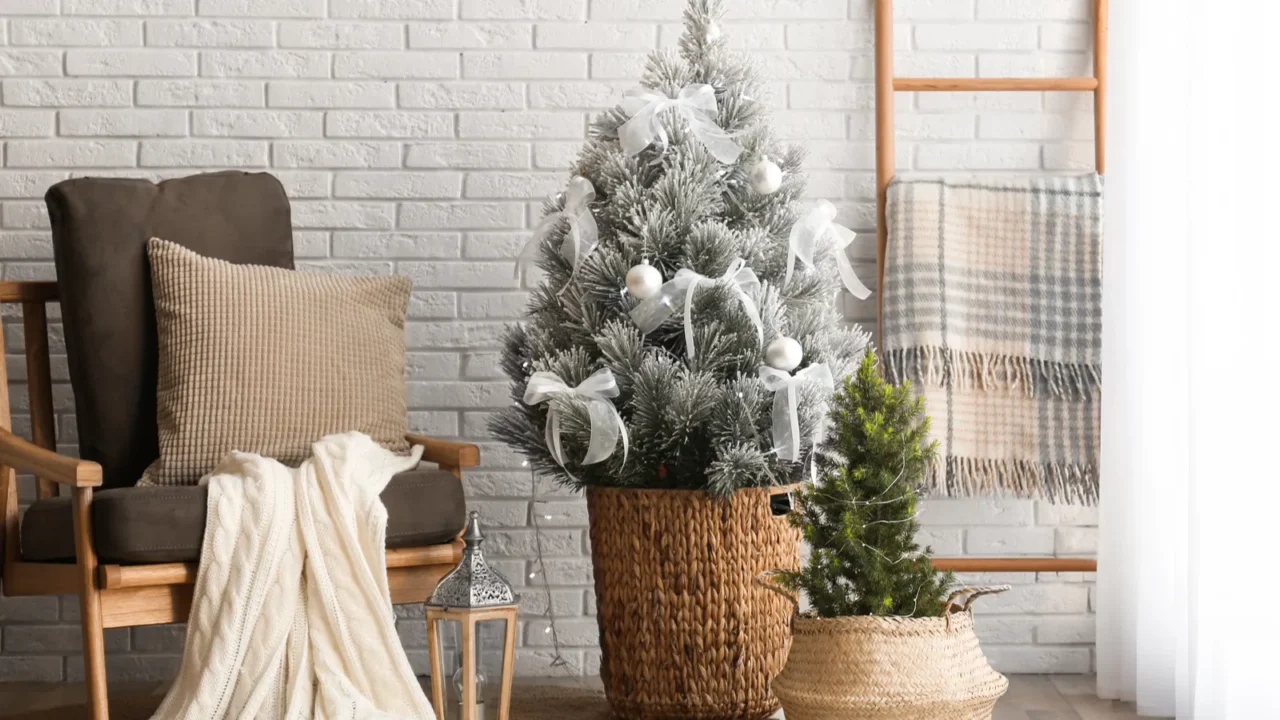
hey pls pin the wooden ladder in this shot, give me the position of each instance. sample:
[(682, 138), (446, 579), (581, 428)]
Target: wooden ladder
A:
[(886, 85)]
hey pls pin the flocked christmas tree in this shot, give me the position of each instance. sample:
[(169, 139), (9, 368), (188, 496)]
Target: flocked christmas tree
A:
[(859, 519), (684, 281)]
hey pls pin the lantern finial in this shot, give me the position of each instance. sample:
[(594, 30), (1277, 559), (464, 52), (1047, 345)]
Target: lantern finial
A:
[(473, 584), (474, 537)]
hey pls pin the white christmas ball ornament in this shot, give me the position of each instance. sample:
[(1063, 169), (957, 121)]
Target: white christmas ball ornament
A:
[(766, 177), (784, 354), (713, 32), (643, 281)]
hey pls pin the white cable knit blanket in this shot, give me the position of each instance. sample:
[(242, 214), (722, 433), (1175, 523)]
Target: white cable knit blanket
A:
[(292, 614)]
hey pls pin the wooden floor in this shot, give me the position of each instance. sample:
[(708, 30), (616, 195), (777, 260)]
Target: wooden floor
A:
[(1057, 697), (1031, 697)]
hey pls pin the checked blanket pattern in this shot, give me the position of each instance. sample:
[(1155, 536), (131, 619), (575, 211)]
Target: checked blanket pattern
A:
[(993, 310)]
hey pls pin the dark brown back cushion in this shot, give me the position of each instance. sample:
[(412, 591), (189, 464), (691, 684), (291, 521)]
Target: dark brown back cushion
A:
[(100, 232)]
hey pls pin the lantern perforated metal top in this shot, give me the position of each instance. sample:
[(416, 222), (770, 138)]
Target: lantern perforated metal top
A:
[(473, 584)]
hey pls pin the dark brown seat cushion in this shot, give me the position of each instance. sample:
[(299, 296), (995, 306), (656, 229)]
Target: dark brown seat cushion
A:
[(100, 232), (166, 524)]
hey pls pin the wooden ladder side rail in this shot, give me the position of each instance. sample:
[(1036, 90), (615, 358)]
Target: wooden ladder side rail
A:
[(885, 87)]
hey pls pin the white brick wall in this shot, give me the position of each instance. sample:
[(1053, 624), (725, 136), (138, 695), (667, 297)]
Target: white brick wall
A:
[(419, 136)]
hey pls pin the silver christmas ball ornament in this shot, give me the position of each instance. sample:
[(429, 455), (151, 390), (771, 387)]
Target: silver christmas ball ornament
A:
[(643, 281), (784, 354), (766, 177)]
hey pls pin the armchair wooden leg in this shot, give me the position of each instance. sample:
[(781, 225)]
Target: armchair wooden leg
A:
[(95, 659)]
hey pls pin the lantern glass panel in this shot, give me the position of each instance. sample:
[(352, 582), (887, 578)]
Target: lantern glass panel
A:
[(490, 665)]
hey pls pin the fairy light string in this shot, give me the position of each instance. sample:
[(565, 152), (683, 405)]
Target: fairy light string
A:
[(539, 564), (874, 501), (557, 660)]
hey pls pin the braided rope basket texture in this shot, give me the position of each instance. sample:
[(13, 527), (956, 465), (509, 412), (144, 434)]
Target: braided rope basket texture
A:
[(889, 667), (685, 631)]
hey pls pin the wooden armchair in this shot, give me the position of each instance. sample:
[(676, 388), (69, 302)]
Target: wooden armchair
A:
[(131, 553)]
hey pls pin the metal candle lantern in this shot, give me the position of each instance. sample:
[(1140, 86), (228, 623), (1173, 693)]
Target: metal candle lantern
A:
[(471, 594)]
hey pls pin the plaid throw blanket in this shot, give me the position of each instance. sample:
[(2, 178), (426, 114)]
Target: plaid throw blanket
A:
[(993, 310)]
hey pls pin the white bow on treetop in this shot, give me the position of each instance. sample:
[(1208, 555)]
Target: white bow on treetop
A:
[(654, 311), (584, 234), (606, 424), (812, 227), (698, 105)]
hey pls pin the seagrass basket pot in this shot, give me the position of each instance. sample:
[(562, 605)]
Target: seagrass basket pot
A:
[(888, 667), (685, 632)]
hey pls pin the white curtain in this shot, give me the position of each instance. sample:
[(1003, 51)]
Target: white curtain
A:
[(1188, 596)]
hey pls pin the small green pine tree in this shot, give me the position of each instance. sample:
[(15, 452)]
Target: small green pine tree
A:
[(859, 519)]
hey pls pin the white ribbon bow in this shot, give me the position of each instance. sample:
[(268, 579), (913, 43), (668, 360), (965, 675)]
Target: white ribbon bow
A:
[(606, 423), (655, 310), (584, 234), (811, 228), (786, 415), (698, 105)]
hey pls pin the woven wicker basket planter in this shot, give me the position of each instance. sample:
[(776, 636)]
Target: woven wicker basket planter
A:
[(685, 631), (878, 667)]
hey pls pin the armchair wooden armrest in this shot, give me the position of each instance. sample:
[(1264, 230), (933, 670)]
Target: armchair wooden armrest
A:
[(20, 454), (446, 453)]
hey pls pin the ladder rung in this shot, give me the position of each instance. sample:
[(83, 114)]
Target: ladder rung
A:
[(1017, 564), (980, 84)]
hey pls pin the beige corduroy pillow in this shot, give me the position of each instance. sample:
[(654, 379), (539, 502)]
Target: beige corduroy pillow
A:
[(268, 360)]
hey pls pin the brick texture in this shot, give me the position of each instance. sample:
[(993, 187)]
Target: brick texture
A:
[(420, 136)]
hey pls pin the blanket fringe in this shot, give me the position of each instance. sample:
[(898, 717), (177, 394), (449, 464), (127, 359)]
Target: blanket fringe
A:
[(930, 365), (1059, 483)]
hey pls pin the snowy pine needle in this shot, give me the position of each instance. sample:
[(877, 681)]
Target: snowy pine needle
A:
[(703, 423)]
